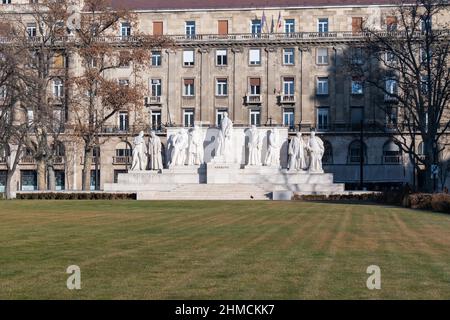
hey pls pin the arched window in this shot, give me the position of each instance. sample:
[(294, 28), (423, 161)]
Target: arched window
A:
[(354, 152), (328, 154), (391, 153)]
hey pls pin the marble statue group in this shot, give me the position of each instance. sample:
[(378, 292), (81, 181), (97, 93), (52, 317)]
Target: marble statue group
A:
[(263, 147)]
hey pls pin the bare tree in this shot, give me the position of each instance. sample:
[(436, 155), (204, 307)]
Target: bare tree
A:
[(96, 95), (412, 73)]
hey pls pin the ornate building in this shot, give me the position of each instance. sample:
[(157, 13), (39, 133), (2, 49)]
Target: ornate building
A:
[(265, 63)]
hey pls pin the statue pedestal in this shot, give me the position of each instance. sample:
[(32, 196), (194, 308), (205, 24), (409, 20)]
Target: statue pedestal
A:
[(222, 173)]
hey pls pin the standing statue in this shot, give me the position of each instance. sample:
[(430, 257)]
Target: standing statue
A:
[(225, 136), (154, 152), (139, 158), (273, 150), (297, 156), (180, 144), (254, 147), (316, 150), (195, 150), (169, 150)]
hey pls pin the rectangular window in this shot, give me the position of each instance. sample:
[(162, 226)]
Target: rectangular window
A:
[(58, 60), (289, 26), (125, 29), (255, 117), (323, 118), (188, 117), (256, 27), (426, 24), (219, 115), (223, 27), (322, 85), (30, 117), (322, 25), (357, 24), (391, 89), (221, 57), (188, 58), (156, 120), (3, 175), (255, 86), (58, 88), (289, 56), (357, 56), (255, 56), (28, 180), (3, 92), (357, 117), (288, 118), (156, 58), (123, 121), (221, 87), (357, 85), (158, 28), (95, 179), (156, 87), (190, 28), (189, 88), (124, 82), (322, 55), (31, 30), (288, 86), (391, 24)]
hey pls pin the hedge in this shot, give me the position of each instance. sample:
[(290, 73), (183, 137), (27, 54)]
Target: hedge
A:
[(75, 196)]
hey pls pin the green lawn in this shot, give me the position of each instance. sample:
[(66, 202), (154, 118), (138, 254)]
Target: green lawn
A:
[(221, 250)]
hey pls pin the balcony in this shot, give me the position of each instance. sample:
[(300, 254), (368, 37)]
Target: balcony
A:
[(389, 98), (154, 100), (287, 99), (58, 160), (253, 99), (392, 159), (94, 160), (122, 160), (27, 160)]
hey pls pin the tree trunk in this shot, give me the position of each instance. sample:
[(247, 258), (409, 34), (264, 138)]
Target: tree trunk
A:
[(8, 187), (51, 178), (41, 175), (87, 169)]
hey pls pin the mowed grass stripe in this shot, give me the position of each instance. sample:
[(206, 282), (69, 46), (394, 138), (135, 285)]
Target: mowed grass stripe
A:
[(221, 250)]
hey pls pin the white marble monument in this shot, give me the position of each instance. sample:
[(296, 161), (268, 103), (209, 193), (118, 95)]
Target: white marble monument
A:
[(139, 157)]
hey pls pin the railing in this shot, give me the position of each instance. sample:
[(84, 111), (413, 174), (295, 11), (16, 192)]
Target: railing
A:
[(27, 160), (115, 129), (235, 37), (94, 160), (154, 100), (392, 159), (253, 99), (287, 98), (122, 160), (2, 160), (58, 160)]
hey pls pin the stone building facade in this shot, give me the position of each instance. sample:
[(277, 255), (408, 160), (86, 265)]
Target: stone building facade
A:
[(278, 64)]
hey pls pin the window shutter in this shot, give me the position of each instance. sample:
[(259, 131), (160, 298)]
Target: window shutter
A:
[(188, 56), (223, 27), (356, 24), (221, 52), (188, 81), (157, 28), (255, 55), (255, 81)]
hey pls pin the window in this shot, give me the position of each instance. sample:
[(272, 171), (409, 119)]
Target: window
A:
[(219, 115), (221, 57), (156, 120), (255, 117), (391, 89), (31, 30), (390, 57), (424, 84), (328, 153), (221, 87), (356, 118), (30, 117), (391, 117), (95, 180), (156, 58), (322, 55), (188, 117), (322, 25), (255, 56), (288, 118), (189, 88), (123, 121), (58, 60), (255, 86), (354, 152), (357, 56), (155, 87), (190, 28), (3, 92), (289, 26), (58, 121), (124, 82), (322, 86), (6, 1), (357, 85), (28, 180), (58, 88), (124, 59), (3, 175), (357, 24), (158, 28), (223, 27), (289, 56), (323, 118), (391, 153), (391, 24), (125, 29), (256, 27), (426, 24), (188, 58), (288, 86)]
